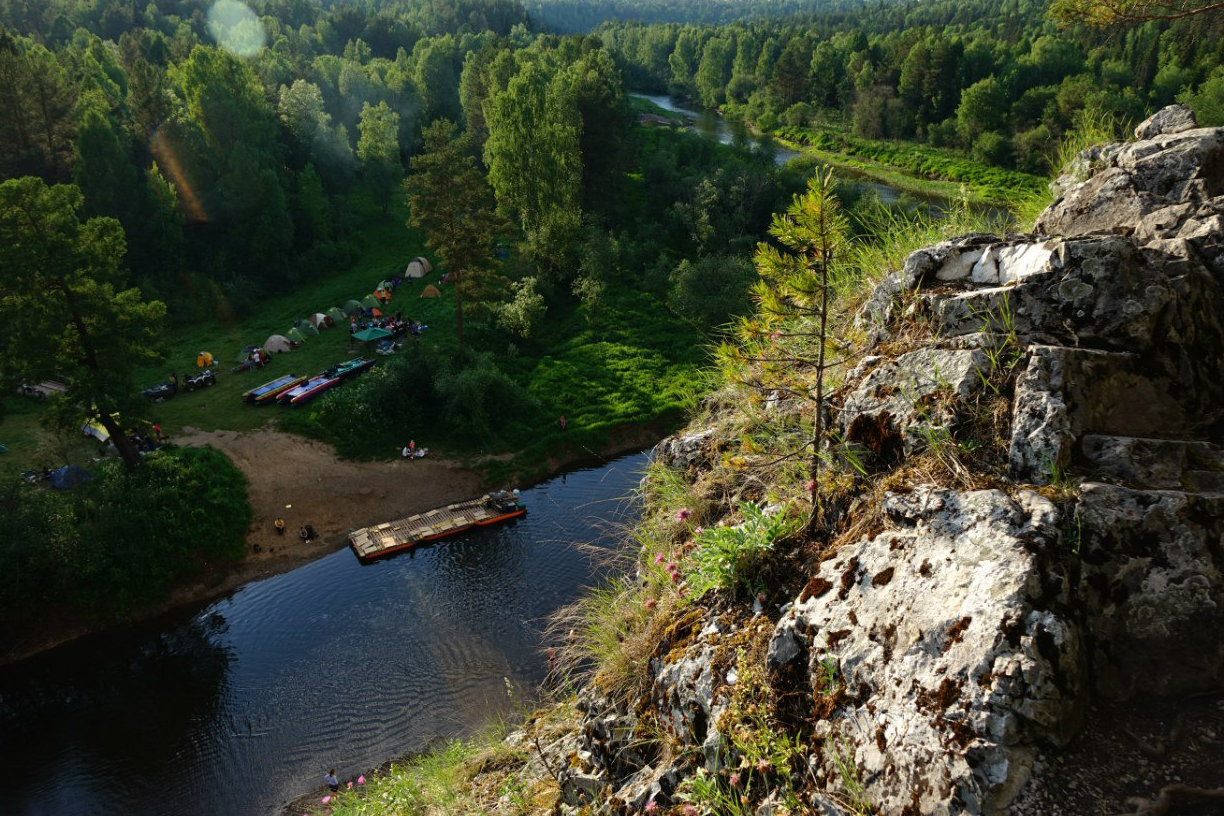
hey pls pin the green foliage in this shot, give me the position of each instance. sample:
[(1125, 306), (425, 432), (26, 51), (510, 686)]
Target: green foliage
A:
[(711, 290), (378, 150), (1207, 100), (728, 557), (120, 540), (451, 203), (67, 311)]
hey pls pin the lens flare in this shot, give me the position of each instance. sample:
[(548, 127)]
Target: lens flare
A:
[(168, 162), (236, 28)]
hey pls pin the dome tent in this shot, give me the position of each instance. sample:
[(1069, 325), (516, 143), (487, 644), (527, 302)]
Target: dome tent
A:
[(418, 267), (321, 321), (370, 302), (352, 307), (277, 343), (430, 291), (306, 328), (296, 336)]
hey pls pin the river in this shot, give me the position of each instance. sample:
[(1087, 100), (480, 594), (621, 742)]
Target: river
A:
[(237, 707), (712, 125)]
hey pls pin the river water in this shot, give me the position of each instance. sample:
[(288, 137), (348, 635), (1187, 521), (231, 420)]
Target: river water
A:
[(237, 707), (714, 126)]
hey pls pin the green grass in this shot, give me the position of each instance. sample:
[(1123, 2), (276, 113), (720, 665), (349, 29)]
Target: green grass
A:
[(386, 247)]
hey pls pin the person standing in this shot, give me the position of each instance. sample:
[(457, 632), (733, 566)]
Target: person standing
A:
[(562, 422), (279, 524), (332, 781)]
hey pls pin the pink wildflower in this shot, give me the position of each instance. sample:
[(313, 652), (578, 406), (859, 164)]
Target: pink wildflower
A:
[(734, 781), (659, 558), (361, 780), (652, 807), (810, 486), (762, 764), (675, 577), (651, 603), (684, 514), (699, 530), (350, 785), (671, 566), (775, 335), (326, 799), (690, 810)]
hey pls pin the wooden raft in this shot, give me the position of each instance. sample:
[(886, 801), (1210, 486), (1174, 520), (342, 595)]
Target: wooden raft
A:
[(370, 543)]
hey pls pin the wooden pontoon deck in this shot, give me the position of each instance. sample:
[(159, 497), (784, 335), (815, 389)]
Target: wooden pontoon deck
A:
[(370, 543)]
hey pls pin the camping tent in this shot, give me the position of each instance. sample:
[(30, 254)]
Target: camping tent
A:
[(352, 307), (204, 359), (370, 302), (296, 336), (387, 285), (94, 428), (306, 328), (417, 268), (245, 354), (321, 321), (277, 343), (337, 314), (68, 476), (430, 291), (424, 262)]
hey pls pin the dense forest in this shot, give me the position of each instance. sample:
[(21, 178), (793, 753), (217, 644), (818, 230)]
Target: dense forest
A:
[(1001, 81), (580, 16)]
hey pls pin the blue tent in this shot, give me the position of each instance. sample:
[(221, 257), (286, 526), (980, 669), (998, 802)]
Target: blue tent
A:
[(68, 476)]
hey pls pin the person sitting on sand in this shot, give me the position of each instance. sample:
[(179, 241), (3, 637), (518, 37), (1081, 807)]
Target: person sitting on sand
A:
[(331, 780)]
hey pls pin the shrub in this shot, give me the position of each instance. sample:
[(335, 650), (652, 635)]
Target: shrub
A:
[(726, 557), (120, 540)]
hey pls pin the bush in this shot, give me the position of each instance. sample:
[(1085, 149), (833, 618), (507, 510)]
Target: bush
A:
[(119, 541), (427, 391)]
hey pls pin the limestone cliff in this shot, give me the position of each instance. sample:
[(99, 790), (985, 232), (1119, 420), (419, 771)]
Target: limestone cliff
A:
[(1033, 623)]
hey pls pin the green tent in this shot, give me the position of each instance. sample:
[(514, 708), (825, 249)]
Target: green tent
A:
[(352, 307), (305, 327), (337, 314), (373, 333), (370, 302), (296, 335)]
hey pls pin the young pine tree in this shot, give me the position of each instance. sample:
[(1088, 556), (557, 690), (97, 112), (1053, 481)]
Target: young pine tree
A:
[(782, 352)]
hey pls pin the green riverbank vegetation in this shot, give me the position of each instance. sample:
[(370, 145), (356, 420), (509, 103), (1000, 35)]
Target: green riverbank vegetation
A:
[(941, 90)]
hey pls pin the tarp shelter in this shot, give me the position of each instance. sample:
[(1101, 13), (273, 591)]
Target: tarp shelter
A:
[(337, 314), (430, 291), (369, 302), (372, 333), (204, 359), (68, 476), (321, 321), (296, 336), (352, 307), (277, 343), (306, 328), (415, 270)]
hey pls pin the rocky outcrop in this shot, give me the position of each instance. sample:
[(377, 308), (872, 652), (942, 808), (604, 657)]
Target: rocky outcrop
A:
[(947, 645)]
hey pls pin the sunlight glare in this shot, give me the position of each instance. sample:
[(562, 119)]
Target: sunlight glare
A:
[(236, 28)]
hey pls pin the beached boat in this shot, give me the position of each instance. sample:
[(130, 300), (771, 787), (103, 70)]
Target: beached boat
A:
[(372, 543), (350, 368), (269, 391), (308, 390)]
